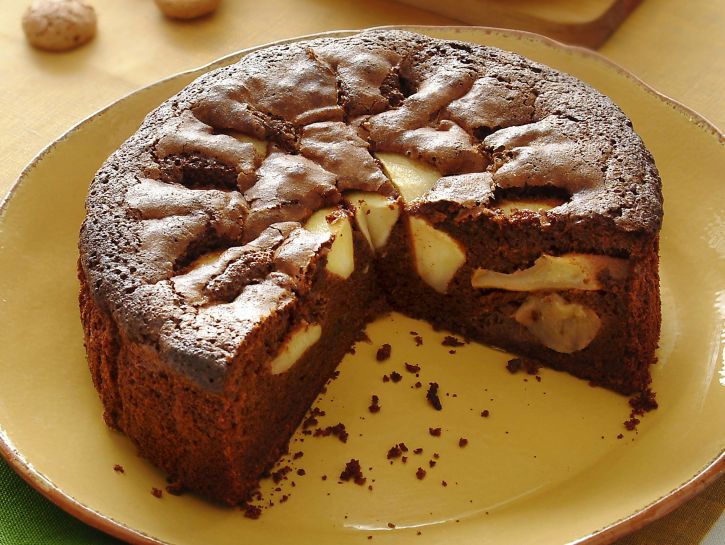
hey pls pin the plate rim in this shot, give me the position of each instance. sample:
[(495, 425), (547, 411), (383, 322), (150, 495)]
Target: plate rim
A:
[(617, 529)]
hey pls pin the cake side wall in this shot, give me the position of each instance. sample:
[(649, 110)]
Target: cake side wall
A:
[(218, 445), (172, 422), (101, 342)]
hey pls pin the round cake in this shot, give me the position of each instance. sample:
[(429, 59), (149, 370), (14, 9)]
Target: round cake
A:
[(235, 247)]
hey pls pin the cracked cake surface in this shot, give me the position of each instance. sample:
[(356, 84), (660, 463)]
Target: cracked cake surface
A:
[(425, 175)]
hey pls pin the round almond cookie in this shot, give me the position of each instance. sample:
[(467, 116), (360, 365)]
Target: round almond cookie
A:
[(59, 25), (237, 244), (187, 9)]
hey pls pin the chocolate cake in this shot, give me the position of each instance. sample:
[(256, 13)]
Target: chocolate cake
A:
[(235, 246)]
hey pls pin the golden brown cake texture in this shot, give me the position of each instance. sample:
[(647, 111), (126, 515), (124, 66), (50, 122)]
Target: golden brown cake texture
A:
[(461, 184)]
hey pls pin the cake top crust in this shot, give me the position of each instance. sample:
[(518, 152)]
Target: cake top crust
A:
[(191, 181)]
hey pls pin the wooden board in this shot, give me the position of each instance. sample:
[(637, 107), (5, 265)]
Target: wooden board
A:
[(581, 22)]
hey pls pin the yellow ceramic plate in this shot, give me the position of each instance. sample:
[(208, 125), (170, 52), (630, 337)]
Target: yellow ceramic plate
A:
[(545, 467)]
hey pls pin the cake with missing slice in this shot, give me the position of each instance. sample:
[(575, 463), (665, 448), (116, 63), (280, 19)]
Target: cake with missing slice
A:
[(235, 247)]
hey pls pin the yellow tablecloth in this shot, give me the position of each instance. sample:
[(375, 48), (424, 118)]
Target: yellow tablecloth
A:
[(677, 47)]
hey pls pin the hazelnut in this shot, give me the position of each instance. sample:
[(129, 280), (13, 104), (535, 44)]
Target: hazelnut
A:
[(59, 25), (187, 9)]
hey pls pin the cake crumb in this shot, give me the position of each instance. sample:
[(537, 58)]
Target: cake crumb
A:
[(418, 384), (394, 452), (514, 365), (311, 419), (450, 340), (391, 525), (252, 511), (395, 376), (386, 378), (338, 430), (435, 432), (462, 442), (301, 472), (118, 468), (156, 492), (418, 450), (284, 498), (643, 402), (280, 474), (412, 368), (431, 463), (485, 413), (375, 405), (383, 352), (443, 483), (353, 472), (297, 455), (432, 396), (418, 340), (632, 423), (420, 473)]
